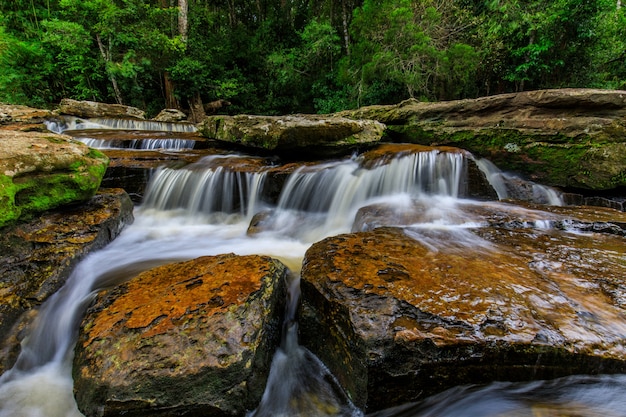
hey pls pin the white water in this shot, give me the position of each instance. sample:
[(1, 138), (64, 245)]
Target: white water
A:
[(70, 123), (510, 186), (179, 220), (144, 144)]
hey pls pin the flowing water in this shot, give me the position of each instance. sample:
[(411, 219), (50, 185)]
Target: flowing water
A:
[(206, 209)]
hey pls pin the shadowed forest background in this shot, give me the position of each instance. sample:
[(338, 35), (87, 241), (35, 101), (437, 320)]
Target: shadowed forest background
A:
[(313, 56)]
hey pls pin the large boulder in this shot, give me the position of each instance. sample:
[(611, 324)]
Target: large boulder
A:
[(190, 338), (314, 134), (89, 109), (568, 137), (41, 171), (37, 257), (398, 314)]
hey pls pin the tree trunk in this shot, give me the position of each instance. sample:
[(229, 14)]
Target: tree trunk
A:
[(106, 55), (346, 24), (170, 99), (183, 19), (196, 109)]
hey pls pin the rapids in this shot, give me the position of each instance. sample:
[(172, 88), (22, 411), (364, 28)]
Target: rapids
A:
[(206, 209)]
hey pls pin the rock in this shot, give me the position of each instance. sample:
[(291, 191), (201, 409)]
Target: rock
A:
[(213, 106), (38, 256), (16, 117), (500, 215), (194, 337), (314, 134), (564, 138), (170, 115), (89, 109), (41, 171), (400, 314)]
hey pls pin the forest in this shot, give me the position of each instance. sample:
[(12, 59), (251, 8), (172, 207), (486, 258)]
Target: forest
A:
[(303, 56)]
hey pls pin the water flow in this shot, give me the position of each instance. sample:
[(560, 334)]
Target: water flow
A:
[(69, 123), (211, 193), (299, 384), (169, 228), (143, 144), (511, 186)]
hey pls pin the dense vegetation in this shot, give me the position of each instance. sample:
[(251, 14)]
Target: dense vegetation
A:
[(286, 56)]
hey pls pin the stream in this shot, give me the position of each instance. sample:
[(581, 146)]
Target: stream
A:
[(207, 208)]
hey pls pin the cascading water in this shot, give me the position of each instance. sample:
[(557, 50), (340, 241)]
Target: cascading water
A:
[(69, 123), (510, 186), (142, 134), (181, 218)]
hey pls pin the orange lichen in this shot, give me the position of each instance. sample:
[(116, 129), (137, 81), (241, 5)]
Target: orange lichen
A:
[(156, 300)]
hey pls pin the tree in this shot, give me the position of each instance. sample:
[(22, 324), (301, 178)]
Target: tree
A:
[(414, 48)]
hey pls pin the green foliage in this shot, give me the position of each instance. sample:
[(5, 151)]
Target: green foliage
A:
[(307, 55), (412, 44)]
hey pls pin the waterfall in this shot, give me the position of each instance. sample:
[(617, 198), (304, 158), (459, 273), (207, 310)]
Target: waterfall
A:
[(145, 144), (299, 384), (511, 186), (203, 192), (69, 123), (317, 200)]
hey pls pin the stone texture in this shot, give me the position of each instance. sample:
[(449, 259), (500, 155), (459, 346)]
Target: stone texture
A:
[(314, 134), (95, 109), (398, 314), (568, 138), (190, 338), (170, 115), (16, 117), (41, 171), (38, 256)]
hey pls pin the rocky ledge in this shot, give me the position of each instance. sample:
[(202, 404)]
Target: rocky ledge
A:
[(306, 134), (400, 313), (38, 256), (565, 138)]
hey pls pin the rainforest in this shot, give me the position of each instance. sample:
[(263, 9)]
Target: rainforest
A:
[(308, 56)]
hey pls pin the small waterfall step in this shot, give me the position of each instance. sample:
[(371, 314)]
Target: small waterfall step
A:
[(70, 123)]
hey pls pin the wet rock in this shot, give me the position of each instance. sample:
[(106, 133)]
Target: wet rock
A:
[(193, 338), (398, 314), (315, 134), (170, 115), (491, 214), (38, 256), (96, 109), (567, 138), (41, 171), (24, 118)]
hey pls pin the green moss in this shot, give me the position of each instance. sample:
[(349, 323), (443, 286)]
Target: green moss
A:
[(8, 211), (26, 195)]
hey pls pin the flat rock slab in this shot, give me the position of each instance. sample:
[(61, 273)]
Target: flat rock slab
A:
[(314, 133), (401, 313), (191, 337), (42, 171), (90, 109), (37, 257)]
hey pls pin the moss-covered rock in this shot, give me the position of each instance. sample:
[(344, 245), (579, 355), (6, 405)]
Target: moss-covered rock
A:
[(314, 134), (41, 171), (567, 138)]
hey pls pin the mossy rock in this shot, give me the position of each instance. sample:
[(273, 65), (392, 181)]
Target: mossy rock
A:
[(42, 171)]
